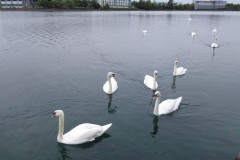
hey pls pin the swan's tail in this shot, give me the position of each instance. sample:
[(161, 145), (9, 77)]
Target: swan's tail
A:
[(105, 127), (178, 101), (185, 70)]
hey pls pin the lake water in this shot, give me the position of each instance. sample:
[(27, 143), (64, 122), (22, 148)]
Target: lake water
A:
[(60, 60)]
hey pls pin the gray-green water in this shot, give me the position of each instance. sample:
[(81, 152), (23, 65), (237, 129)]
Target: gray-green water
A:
[(59, 60)]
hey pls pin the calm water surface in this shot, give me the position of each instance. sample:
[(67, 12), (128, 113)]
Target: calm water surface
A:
[(59, 60)]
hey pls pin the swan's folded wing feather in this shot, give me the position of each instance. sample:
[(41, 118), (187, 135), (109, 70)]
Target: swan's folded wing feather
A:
[(181, 71), (114, 84), (82, 133), (105, 87), (166, 106), (148, 81)]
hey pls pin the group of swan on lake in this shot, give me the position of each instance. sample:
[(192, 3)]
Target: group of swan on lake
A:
[(169, 105), (88, 132), (214, 44)]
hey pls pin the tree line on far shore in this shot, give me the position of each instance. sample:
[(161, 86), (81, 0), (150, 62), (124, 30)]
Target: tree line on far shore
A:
[(141, 4), (71, 4)]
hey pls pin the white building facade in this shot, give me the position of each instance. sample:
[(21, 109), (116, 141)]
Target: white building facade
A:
[(116, 3), (11, 3), (209, 4)]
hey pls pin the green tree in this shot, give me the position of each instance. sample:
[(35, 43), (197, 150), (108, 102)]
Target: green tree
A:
[(94, 4)]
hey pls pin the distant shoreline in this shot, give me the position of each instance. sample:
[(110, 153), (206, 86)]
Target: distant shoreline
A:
[(87, 9)]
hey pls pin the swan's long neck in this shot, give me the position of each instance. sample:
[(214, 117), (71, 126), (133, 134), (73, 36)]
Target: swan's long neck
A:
[(61, 128), (156, 107), (154, 81), (175, 69), (110, 84)]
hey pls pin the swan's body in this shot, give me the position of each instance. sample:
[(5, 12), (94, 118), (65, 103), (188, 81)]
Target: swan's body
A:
[(193, 34), (214, 31), (178, 71), (166, 106), (214, 44), (189, 18), (150, 81), (82, 133), (144, 30), (111, 84)]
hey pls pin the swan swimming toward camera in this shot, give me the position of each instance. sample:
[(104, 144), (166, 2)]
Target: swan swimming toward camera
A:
[(150, 81), (214, 44), (178, 71), (111, 84), (165, 107), (82, 133)]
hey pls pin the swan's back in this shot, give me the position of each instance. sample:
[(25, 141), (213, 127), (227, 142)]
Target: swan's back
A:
[(180, 71), (148, 81), (84, 133), (169, 105), (214, 45), (114, 86)]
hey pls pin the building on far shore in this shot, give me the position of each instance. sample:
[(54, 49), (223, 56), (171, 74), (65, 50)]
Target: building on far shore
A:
[(209, 4), (116, 3), (16, 3)]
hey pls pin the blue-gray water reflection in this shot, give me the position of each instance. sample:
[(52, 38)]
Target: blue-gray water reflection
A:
[(59, 60)]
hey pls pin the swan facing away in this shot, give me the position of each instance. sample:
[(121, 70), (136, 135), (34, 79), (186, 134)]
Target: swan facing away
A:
[(82, 133), (111, 84), (166, 106), (178, 71), (193, 34), (214, 44), (214, 31), (150, 81)]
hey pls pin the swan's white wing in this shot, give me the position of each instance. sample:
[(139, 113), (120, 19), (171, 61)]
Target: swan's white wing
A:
[(214, 45), (82, 133), (148, 81), (114, 86), (169, 105), (106, 87), (181, 71)]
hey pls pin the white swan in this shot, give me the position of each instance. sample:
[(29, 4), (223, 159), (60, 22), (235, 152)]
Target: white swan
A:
[(166, 106), (82, 133), (150, 81), (193, 34), (214, 31), (111, 84), (189, 18), (214, 44), (178, 71), (144, 30)]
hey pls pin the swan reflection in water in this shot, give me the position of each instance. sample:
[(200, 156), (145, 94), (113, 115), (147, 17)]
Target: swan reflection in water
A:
[(174, 83), (110, 108), (213, 53), (63, 149), (64, 155), (155, 126)]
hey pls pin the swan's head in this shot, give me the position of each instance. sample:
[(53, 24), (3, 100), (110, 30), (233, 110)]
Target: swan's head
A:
[(176, 62), (156, 94), (57, 113), (111, 74), (155, 72)]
